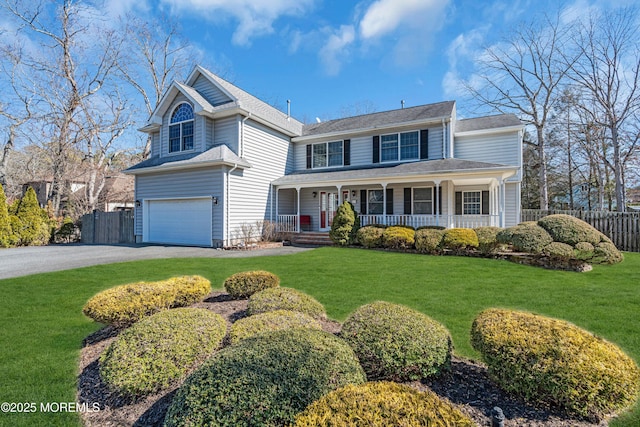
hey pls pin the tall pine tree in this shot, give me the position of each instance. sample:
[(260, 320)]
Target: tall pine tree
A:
[(33, 228)]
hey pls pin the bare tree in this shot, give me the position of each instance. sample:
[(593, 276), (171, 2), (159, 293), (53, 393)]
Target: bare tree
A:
[(65, 71), (153, 60), (523, 75), (609, 74)]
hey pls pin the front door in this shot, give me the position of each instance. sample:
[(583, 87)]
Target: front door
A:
[(328, 206)]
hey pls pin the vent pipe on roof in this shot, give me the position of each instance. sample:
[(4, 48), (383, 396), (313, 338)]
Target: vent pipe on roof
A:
[(288, 108), (402, 103)]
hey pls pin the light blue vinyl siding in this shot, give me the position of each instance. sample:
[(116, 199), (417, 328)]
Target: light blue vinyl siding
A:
[(250, 197), (210, 92), (226, 131), (502, 148), (205, 182)]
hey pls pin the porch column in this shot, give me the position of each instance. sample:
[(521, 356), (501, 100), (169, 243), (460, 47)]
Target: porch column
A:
[(298, 210), (276, 199), (437, 203), (501, 198), (384, 203), (339, 187)]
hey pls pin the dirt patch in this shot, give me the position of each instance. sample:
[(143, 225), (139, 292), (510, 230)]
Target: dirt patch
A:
[(466, 384)]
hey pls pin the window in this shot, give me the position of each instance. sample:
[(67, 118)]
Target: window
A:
[(407, 149), (181, 129), (471, 203), (375, 202), (328, 154), (423, 201)]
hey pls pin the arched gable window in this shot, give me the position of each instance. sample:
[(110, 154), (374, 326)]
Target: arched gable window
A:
[(181, 128)]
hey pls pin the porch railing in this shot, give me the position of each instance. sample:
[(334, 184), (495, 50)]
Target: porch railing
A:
[(289, 223), (448, 221)]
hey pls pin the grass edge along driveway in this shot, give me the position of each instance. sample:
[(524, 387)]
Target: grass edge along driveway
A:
[(42, 326)]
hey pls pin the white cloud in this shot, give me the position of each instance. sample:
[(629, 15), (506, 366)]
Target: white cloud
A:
[(255, 17), (385, 16), (336, 49), (461, 55)]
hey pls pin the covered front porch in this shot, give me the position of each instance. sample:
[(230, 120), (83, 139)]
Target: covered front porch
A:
[(460, 198)]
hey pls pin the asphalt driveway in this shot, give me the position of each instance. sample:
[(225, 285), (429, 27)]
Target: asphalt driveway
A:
[(17, 262)]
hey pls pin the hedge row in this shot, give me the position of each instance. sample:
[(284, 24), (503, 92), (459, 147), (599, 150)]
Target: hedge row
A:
[(559, 237)]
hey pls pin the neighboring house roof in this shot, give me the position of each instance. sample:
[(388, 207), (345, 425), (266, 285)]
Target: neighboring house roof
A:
[(219, 155), (118, 188), (487, 123), (248, 102), (382, 172), (382, 119)]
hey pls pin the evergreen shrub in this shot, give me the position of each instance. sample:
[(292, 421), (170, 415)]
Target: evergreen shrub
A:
[(264, 380), (427, 240), (560, 251), (247, 283), (554, 362), (285, 299), (396, 343), (160, 350), (381, 404), (570, 230), (526, 237), (459, 239), (370, 236), (488, 239), (398, 237), (270, 321), (343, 223)]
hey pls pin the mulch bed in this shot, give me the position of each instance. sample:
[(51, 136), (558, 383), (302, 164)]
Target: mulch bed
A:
[(466, 384)]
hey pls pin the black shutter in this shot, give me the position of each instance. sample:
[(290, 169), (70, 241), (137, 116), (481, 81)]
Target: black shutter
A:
[(440, 201), (308, 156), (407, 201), (389, 201), (363, 202), (346, 152), (376, 149), (458, 202), (424, 144), (485, 203)]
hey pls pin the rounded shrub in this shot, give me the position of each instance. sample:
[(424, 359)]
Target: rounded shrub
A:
[(488, 239), (160, 350), (606, 253), (428, 240), (459, 238), (396, 343), (381, 404), (247, 283), (558, 250), (285, 299), (398, 237), (270, 321), (554, 362), (584, 251), (370, 236), (570, 230), (265, 380), (526, 237), (189, 289), (124, 305)]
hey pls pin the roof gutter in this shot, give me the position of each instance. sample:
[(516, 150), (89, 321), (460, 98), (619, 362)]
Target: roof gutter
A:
[(168, 167)]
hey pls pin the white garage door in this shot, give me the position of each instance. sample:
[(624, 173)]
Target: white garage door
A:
[(181, 221)]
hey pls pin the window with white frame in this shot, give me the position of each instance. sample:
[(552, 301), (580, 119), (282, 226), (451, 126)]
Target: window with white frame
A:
[(328, 154), (181, 129), (375, 202), (471, 202), (400, 146), (423, 201)]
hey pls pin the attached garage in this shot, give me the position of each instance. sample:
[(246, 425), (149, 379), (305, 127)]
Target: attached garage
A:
[(178, 221)]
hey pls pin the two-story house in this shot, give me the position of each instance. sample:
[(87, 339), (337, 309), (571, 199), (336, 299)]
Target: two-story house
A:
[(221, 158)]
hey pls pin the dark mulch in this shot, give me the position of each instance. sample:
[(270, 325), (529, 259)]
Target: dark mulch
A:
[(466, 384)]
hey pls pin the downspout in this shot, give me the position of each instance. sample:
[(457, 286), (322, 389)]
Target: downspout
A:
[(226, 202), (444, 140), (241, 148)]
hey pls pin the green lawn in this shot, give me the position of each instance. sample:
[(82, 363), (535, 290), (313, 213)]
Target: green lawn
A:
[(42, 327)]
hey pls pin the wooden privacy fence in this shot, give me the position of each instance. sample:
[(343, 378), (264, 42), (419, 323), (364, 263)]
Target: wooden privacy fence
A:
[(107, 227), (623, 228)]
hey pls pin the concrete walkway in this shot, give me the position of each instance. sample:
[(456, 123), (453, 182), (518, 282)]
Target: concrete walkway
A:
[(16, 262)]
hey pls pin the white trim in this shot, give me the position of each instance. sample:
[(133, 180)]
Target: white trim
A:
[(327, 155), (433, 209), (506, 129)]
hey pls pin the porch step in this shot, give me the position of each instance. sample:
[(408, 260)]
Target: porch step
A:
[(311, 238)]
